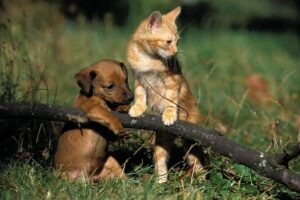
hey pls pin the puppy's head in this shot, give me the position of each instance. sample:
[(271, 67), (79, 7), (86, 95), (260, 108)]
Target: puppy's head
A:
[(106, 79)]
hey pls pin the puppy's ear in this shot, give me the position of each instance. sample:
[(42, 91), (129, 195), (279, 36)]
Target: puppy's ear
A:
[(122, 65), (84, 80)]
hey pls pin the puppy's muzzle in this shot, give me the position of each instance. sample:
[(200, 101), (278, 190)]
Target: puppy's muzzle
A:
[(129, 97)]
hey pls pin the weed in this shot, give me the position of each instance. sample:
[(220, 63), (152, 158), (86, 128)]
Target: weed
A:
[(40, 53)]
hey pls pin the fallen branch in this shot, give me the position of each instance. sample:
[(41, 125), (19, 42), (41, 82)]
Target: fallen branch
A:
[(290, 152), (272, 166)]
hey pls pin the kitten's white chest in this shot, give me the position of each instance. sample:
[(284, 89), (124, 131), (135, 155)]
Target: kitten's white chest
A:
[(143, 62), (151, 79), (150, 73), (155, 90)]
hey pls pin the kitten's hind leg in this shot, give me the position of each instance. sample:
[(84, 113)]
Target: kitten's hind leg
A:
[(162, 149), (194, 155)]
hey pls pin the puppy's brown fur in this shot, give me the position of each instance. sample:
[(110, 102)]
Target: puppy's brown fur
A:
[(81, 151)]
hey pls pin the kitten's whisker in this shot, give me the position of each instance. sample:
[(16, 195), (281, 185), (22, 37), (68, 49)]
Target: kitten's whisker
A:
[(183, 28), (176, 104), (184, 51)]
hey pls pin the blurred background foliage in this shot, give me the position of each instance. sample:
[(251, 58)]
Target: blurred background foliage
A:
[(223, 43), (267, 14), (203, 13), (235, 55), (71, 33)]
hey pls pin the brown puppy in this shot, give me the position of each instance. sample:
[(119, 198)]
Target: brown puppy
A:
[(81, 151)]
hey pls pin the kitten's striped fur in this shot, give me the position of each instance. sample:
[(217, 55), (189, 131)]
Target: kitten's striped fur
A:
[(159, 83)]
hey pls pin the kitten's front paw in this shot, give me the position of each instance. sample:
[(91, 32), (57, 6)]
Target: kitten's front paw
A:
[(137, 110), (169, 116)]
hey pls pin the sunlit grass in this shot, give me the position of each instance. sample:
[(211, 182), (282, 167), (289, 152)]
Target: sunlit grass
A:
[(41, 57)]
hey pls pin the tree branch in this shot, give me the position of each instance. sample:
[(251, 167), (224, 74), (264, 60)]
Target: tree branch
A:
[(290, 152), (265, 164)]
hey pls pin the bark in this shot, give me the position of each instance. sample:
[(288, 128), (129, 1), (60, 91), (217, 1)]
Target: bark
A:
[(272, 166)]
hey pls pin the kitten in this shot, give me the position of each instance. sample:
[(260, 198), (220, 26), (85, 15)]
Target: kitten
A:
[(159, 82)]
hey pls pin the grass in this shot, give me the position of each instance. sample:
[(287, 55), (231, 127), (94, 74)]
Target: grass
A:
[(27, 179), (40, 57), (50, 187)]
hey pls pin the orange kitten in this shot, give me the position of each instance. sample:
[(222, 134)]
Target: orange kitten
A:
[(160, 84)]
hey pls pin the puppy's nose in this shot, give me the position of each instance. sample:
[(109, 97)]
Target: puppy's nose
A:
[(130, 96)]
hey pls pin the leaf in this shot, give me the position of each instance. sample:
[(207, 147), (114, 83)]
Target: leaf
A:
[(258, 89), (221, 183), (242, 170), (250, 189), (216, 178)]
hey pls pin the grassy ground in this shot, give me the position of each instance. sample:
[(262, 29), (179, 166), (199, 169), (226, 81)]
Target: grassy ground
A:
[(40, 57)]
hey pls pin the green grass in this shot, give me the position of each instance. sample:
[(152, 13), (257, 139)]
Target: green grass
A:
[(40, 57), (27, 179)]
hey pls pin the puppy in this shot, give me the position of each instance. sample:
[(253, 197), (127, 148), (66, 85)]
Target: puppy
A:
[(81, 151)]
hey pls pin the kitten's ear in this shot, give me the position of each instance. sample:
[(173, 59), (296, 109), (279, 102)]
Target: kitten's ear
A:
[(172, 15), (154, 20)]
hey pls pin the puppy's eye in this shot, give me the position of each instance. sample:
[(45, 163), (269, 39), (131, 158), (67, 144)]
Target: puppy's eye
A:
[(111, 86), (169, 41)]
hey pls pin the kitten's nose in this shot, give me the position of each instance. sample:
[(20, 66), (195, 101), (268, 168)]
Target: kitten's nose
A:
[(174, 50)]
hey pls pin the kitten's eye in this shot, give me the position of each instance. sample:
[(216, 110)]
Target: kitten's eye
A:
[(111, 86), (169, 41)]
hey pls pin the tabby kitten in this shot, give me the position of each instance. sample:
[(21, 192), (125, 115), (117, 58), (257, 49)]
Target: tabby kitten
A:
[(159, 82)]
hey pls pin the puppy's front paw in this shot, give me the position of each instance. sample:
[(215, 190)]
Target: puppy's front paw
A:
[(123, 108), (137, 110), (169, 116)]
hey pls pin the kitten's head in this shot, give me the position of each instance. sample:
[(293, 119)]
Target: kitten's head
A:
[(158, 33)]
